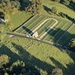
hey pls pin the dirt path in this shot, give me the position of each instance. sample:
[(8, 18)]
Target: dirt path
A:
[(49, 29)]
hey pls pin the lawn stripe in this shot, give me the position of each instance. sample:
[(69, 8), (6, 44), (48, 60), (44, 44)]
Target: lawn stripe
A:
[(47, 25), (49, 29), (40, 25), (37, 20), (33, 27), (48, 36), (63, 34), (28, 21), (69, 36)]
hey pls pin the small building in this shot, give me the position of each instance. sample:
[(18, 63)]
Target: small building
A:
[(35, 34), (3, 21)]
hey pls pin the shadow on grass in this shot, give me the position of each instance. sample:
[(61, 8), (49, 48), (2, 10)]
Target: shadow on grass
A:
[(24, 4), (5, 50), (27, 30), (46, 9), (22, 24), (70, 6), (71, 66), (14, 67), (28, 58), (30, 63), (56, 63), (70, 70), (60, 38), (2, 15)]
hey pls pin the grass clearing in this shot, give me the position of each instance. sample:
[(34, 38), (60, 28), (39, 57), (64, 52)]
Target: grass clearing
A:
[(54, 35), (60, 7), (18, 19), (43, 56)]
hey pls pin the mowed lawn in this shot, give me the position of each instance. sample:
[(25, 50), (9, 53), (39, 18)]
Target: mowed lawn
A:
[(42, 56), (17, 19), (60, 7), (55, 35)]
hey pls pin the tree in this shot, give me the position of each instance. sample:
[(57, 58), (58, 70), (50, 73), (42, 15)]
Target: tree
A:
[(5, 5), (6, 73), (66, 2), (8, 5), (62, 14), (57, 71), (4, 59), (34, 6), (15, 4), (72, 44), (54, 10)]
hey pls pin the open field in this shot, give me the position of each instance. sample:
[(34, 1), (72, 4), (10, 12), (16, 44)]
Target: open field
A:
[(60, 7), (50, 29), (18, 19)]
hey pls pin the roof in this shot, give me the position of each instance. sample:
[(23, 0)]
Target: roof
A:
[(35, 34), (2, 21)]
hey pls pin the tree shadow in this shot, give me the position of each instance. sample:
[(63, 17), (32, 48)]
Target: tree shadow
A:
[(70, 70), (14, 67), (60, 38), (30, 63), (28, 58), (46, 9), (72, 8), (22, 24), (67, 16), (24, 4), (27, 30), (71, 66), (2, 15), (70, 5), (5, 50), (56, 62)]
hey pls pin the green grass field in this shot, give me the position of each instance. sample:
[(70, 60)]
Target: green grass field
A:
[(57, 34), (18, 19), (42, 56), (60, 7)]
